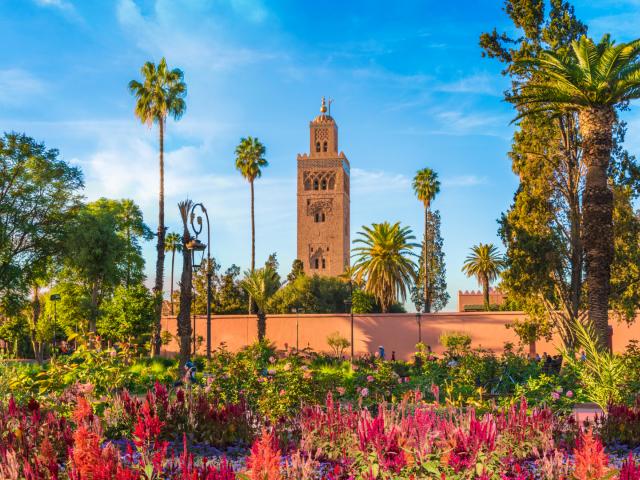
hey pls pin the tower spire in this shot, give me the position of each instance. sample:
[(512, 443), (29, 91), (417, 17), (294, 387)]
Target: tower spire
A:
[(323, 107)]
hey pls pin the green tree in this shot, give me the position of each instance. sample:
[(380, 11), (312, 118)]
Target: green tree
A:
[(435, 277), (128, 315), (160, 95), (297, 270), (261, 285), (426, 186), (313, 294), (543, 228), (230, 296), (39, 194), (592, 80), (249, 162), (384, 262), (173, 244), (133, 229), (485, 263), (97, 258)]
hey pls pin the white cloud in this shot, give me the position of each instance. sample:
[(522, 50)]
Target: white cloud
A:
[(63, 6), (17, 86), (182, 32), (479, 84), (369, 181), (464, 181)]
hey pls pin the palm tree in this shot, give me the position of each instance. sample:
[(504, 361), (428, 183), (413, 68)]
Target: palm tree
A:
[(426, 186), (186, 285), (173, 244), (592, 79), (260, 285), (384, 262), (161, 94), (249, 162), (485, 263)]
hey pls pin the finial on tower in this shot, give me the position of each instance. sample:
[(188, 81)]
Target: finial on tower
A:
[(323, 107)]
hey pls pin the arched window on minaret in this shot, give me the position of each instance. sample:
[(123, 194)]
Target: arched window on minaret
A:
[(317, 263), (324, 264), (322, 217), (317, 146), (323, 184), (332, 183), (315, 184), (324, 146)]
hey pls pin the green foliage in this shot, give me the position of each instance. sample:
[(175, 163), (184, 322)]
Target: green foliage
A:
[(601, 374), (160, 94), (384, 262), (128, 315), (338, 344), (38, 196), (316, 294), (102, 252), (457, 344), (261, 285), (250, 158), (437, 296)]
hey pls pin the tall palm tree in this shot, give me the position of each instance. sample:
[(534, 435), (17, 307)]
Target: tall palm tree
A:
[(426, 186), (485, 263), (260, 285), (173, 244), (592, 79), (159, 95), (186, 285), (249, 162), (384, 262)]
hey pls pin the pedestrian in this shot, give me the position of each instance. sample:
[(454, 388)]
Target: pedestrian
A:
[(381, 352)]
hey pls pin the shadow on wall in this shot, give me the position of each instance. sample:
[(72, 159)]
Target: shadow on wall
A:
[(396, 332)]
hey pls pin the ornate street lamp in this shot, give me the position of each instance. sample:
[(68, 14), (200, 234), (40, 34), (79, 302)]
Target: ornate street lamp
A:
[(195, 245)]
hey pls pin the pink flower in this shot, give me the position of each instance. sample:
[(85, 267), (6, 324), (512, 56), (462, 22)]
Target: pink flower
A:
[(555, 395), (271, 371), (569, 394), (407, 379), (364, 392), (341, 390), (282, 392), (272, 360), (369, 378)]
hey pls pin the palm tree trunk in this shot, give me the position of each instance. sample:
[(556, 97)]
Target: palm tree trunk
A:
[(596, 128), (427, 299), (253, 231), (253, 241), (158, 287), (262, 325), (485, 292), (173, 261), (184, 314)]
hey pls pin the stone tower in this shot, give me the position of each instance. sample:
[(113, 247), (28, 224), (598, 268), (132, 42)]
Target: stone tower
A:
[(323, 200)]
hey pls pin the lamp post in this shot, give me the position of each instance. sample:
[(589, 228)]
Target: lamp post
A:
[(55, 298), (297, 311), (419, 322), (197, 246), (349, 304)]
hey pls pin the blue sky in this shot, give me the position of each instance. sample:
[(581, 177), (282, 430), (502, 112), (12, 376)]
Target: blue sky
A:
[(410, 90)]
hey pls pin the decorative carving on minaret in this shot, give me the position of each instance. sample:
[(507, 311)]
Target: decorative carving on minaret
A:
[(323, 205)]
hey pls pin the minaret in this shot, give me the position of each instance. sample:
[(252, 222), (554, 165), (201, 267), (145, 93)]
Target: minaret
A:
[(323, 200)]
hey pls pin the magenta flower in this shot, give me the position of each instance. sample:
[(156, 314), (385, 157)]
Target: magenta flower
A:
[(555, 395), (569, 394), (369, 378), (364, 392)]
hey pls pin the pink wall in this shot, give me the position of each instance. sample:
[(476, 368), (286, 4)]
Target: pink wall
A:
[(397, 332)]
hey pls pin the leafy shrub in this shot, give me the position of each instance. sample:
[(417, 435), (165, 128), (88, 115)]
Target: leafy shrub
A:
[(455, 343), (338, 344)]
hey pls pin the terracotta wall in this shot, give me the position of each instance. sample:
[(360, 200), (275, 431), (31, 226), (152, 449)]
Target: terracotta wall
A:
[(475, 298), (397, 332)]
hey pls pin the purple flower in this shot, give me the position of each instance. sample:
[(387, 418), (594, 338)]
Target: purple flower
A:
[(555, 395)]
